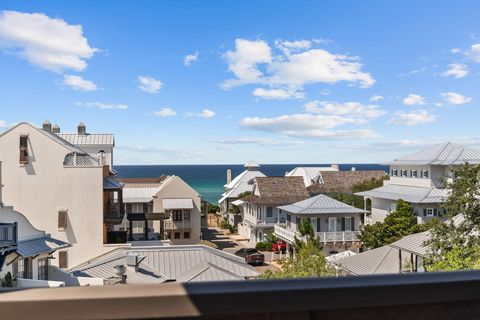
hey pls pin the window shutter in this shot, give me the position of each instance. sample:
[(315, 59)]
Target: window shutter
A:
[(318, 224), (62, 220), (424, 212), (343, 224), (435, 212), (352, 221), (62, 259)]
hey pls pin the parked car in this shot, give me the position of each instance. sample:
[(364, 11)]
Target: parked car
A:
[(251, 256), (280, 245)]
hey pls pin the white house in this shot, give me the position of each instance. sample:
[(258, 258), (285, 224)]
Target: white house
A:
[(161, 208), (242, 183), (260, 212), (419, 179), (310, 175), (336, 224), (61, 188)]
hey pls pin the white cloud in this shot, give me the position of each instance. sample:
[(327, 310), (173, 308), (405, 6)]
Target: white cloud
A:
[(455, 98), (346, 108), (412, 118), (474, 53), (256, 141), (49, 43), (456, 70), (308, 126), (103, 106), (455, 50), (206, 113), (278, 94), (78, 83), (190, 58), (413, 100), (376, 98), (296, 65), (5, 125), (165, 112), (149, 84)]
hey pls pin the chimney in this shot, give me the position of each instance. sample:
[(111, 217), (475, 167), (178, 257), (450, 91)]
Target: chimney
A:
[(335, 166), (47, 126), (55, 128), (82, 129), (229, 176), (1, 185)]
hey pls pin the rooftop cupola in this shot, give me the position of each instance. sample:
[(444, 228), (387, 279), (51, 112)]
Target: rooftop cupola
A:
[(82, 129), (47, 126), (252, 166), (56, 128)]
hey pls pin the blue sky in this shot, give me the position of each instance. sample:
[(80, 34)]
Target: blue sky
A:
[(187, 82)]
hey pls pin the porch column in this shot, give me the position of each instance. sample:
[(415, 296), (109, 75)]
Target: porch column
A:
[(287, 253), (130, 230), (145, 229)]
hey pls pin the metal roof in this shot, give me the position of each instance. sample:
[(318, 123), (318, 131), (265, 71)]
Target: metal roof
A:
[(45, 244), (446, 153), (205, 271), (240, 184), (139, 195), (251, 164), (408, 193), (320, 204), (177, 203), (110, 183), (376, 261), (178, 262), (89, 139), (413, 243)]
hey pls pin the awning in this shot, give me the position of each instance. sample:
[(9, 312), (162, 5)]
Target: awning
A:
[(177, 203), (110, 183), (47, 244)]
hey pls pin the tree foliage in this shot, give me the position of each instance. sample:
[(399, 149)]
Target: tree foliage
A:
[(235, 209), (396, 225), (309, 262), (357, 201), (455, 245)]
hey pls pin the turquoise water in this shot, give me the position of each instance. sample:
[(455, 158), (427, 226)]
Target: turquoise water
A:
[(209, 180)]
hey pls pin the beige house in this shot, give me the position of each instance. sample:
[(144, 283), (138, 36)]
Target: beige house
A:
[(62, 189)]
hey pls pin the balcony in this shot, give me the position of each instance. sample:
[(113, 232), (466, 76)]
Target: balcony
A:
[(175, 225), (325, 237), (8, 235), (255, 222), (73, 160), (413, 296)]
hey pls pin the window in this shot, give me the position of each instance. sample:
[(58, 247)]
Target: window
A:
[(424, 174), (145, 208), (289, 219), (129, 208), (269, 212), (413, 173), (186, 214), (22, 268), (62, 219), (430, 212), (393, 207), (332, 224), (63, 259), (186, 235), (177, 215), (43, 269), (403, 173), (394, 172), (176, 235), (23, 149), (348, 224)]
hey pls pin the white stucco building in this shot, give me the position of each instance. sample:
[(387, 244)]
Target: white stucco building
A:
[(419, 179), (61, 188)]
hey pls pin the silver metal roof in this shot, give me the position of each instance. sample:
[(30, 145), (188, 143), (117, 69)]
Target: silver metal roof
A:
[(320, 204), (45, 244), (376, 261), (408, 193), (89, 139), (177, 203), (446, 153), (110, 183), (177, 263), (251, 164), (413, 243)]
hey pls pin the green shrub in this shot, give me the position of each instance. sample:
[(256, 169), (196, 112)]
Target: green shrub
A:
[(263, 246), (224, 224), (232, 229)]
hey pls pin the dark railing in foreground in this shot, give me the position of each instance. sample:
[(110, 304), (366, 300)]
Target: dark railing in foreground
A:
[(415, 296)]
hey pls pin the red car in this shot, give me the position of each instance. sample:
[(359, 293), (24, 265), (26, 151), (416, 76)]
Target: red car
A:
[(280, 245), (252, 256)]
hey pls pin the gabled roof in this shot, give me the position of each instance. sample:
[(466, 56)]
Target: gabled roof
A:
[(241, 183), (376, 261), (309, 174), (278, 191), (408, 193), (446, 153), (251, 164), (413, 243), (343, 181), (320, 204), (89, 139)]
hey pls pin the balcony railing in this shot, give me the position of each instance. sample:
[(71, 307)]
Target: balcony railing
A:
[(83, 160), (8, 234), (254, 221), (174, 225), (414, 296), (337, 236)]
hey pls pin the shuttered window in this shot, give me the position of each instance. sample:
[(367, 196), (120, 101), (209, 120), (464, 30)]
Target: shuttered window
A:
[(62, 219), (318, 224), (23, 149), (63, 259)]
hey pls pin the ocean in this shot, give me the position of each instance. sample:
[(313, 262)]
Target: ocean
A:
[(209, 180)]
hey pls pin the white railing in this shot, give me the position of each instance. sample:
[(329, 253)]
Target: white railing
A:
[(254, 221), (324, 237), (174, 225), (82, 160)]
